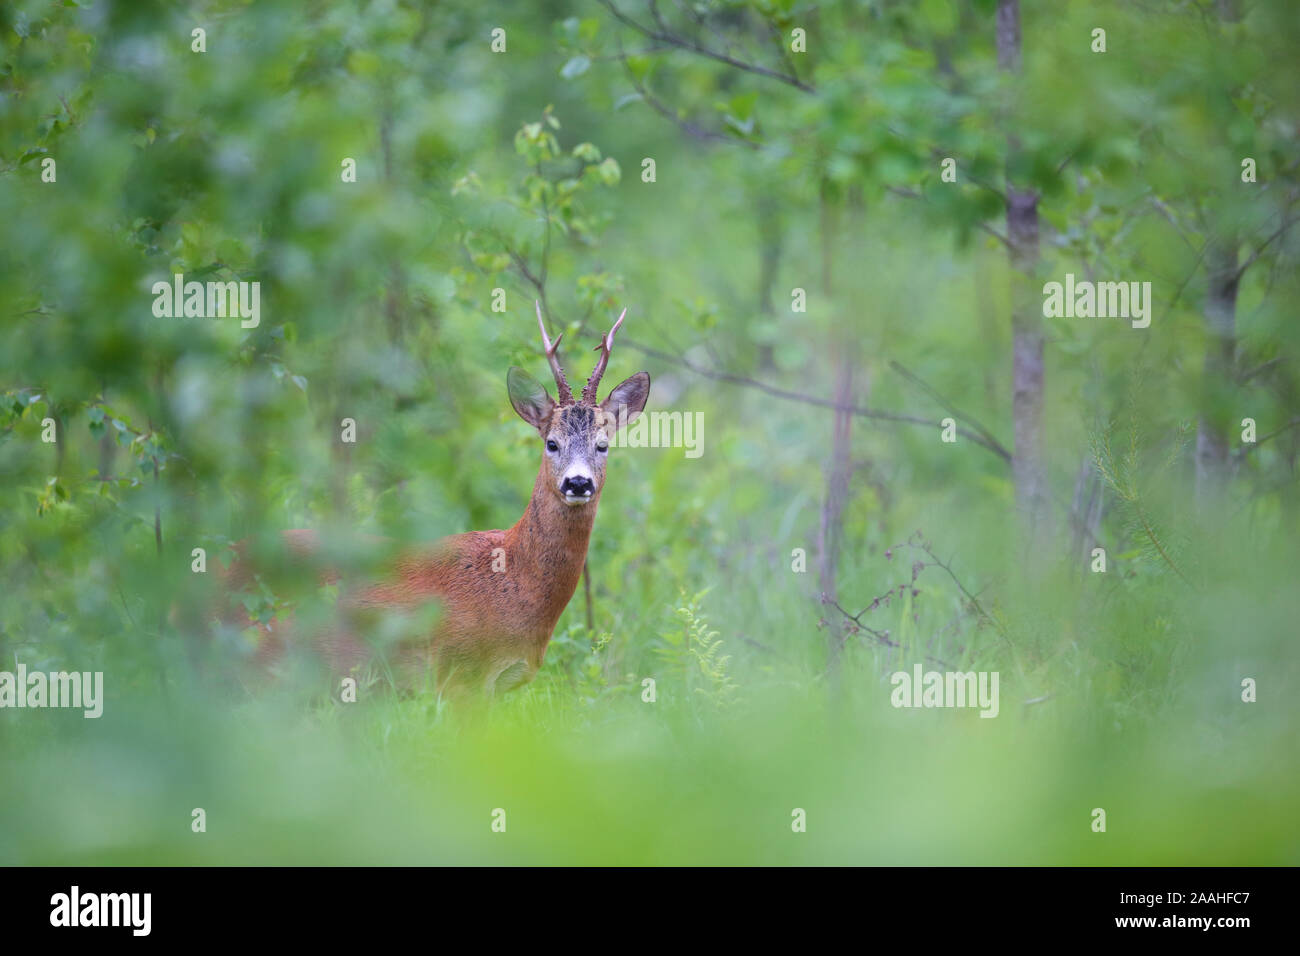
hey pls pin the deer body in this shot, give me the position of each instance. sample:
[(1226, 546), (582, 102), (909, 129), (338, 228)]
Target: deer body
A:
[(495, 624), (500, 592)]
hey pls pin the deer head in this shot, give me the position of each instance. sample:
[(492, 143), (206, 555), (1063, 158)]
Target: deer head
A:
[(576, 433)]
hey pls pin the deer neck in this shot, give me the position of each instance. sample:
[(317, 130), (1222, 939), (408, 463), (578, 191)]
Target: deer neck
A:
[(548, 546)]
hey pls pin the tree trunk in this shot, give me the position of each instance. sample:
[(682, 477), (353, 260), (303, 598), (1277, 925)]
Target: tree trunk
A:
[(837, 493), (1213, 462), (839, 468), (1212, 458), (395, 293), (769, 235), (1028, 467), (1009, 35)]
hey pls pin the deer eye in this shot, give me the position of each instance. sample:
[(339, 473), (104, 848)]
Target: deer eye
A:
[(552, 445), (602, 447)]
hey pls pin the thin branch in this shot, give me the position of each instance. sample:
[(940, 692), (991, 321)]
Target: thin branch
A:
[(1245, 377), (699, 132), (904, 192), (700, 22), (762, 647), (522, 265), (946, 404), (1165, 211), (881, 636), (779, 38), (546, 242), (974, 601), (672, 39), (1247, 449), (989, 187), (1195, 266), (858, 410), (985, 227), (1250, 260), (586, 586), (650, 51)]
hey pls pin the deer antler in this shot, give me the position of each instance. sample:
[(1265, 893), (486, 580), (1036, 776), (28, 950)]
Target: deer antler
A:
[(561, 383), (607, 343)]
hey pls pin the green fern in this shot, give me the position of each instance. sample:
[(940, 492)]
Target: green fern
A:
[(694, 654)]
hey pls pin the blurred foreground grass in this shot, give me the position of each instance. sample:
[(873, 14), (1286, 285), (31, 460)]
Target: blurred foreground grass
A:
[(1186, 772)]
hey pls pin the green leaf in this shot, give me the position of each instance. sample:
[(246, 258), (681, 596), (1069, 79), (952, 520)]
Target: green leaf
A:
[(576, 66), (609, 171)]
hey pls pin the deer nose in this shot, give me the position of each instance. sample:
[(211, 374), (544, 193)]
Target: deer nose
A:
[(579, 486)]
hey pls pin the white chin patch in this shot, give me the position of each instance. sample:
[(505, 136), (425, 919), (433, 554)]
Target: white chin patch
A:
[(574, 500)]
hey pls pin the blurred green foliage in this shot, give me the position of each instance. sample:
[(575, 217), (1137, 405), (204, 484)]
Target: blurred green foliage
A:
[(522, 171)]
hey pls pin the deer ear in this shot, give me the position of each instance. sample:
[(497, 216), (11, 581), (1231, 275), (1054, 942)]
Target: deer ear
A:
[(628, 399), (529, 398)]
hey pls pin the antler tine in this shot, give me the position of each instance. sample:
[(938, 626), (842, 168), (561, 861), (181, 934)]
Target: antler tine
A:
[(552, 356), (606, 344)]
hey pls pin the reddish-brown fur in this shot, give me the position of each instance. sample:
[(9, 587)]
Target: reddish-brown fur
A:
[(498, 608), (495, 626)]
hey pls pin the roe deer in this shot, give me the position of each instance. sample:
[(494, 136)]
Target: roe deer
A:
[(500, 592)]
